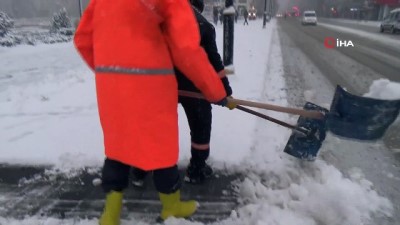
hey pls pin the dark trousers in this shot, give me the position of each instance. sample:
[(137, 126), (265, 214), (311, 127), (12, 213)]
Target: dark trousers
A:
[(115, 177), (199, 116)]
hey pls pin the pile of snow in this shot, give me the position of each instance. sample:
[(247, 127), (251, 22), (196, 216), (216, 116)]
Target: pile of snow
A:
[(384, 89)]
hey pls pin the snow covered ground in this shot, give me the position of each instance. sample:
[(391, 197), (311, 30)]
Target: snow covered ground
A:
[(48, 115), (369, 23), (390, 40)]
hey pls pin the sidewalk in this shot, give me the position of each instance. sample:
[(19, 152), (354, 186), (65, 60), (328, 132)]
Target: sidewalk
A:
[(39, 192)]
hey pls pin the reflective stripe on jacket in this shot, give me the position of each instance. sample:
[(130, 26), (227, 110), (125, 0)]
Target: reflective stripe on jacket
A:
[(132, 46), (126, 71)]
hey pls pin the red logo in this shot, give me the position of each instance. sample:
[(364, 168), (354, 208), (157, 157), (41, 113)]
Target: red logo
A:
[(330, 42)]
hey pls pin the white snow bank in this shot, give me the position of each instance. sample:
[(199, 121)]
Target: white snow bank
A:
[(384, 89)]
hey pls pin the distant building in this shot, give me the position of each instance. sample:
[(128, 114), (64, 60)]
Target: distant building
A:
[(385, 6), (358, 9), (375, 9)]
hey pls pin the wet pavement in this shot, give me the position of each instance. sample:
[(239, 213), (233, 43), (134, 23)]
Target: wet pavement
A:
[(42, 191)]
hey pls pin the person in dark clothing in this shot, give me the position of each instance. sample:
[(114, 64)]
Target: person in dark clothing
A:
[(198, 111), (245, 15), (215, 15), (236, 15), (221, 16)]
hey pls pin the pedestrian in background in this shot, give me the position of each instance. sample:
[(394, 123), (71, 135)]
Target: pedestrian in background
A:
[(245, 15), (236, 15), (215, 15), (221, 16)]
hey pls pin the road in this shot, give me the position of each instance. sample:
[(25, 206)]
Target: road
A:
[(312, 71), (359, 25)]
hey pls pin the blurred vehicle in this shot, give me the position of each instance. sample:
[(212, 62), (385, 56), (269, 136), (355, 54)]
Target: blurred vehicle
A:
[(309, 17), (391, 22), (252, 14)]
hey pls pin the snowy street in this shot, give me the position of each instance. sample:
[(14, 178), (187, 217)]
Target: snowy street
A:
[(311, 71), (374, 56), (366, 26), (49, 127)]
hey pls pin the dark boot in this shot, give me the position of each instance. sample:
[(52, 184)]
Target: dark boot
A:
[(198, 173), (198, 170)]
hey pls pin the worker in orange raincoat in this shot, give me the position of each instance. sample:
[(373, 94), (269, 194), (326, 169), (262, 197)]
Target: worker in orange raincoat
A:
[(133, 47)]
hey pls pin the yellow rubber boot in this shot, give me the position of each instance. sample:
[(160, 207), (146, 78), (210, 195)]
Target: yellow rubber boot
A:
[(112, 209), (173, 206)]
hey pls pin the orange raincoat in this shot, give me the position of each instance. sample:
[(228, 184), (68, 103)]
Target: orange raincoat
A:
[(132, 46)]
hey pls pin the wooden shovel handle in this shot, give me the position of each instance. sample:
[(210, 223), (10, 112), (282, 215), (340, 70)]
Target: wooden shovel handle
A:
[(301, 112), (287, 125)]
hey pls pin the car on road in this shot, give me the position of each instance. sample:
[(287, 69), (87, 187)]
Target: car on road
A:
[(391, 22), (252, 14), (309, 17)]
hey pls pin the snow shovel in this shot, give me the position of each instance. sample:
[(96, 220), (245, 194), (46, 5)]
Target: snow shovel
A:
[(307, 136), (306, 147), (360, 118), (350, 116)]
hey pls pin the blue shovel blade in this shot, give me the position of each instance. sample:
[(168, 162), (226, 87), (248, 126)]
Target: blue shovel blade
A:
[(360, 118), (306, 146)]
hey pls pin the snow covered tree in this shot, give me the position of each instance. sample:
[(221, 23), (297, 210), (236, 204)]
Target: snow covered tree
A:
[(6, 23), (7, 38), (60, 21)]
